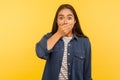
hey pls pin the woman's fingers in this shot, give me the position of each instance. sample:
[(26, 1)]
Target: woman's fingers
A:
[(64, 29)]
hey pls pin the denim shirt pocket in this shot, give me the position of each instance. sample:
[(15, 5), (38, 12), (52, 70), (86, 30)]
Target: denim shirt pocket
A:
[(79, 55), (78, 61)]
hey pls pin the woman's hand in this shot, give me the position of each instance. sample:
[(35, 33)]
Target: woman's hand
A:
[(64, 30)]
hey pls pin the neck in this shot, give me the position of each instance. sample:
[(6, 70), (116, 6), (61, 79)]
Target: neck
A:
[(69, 34)]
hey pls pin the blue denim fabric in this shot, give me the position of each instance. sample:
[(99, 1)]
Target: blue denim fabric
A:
[(78, 60)]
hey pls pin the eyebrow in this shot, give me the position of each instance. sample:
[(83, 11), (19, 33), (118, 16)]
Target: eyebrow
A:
[(67, 15)]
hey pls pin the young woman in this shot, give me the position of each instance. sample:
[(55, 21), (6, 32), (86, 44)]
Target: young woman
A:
[(66, 49)]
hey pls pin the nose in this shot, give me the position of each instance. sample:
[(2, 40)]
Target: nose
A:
[(65, 21)]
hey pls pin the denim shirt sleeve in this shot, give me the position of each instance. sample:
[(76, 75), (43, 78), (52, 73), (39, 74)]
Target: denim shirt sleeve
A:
[(87, 69), (41, 47)]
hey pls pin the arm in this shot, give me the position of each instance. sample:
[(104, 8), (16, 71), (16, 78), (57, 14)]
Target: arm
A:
[(53, 40), (87, 67), (45, 45)]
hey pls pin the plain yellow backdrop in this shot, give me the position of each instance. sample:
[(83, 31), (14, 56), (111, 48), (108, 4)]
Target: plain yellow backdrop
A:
[(24, 22)]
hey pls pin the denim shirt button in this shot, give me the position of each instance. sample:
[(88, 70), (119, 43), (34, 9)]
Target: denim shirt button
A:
[(68, 53), (69, 45), (81, 57), (69, 73), (69, 64)]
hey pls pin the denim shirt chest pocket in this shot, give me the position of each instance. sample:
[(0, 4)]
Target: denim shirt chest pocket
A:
[(80, 55), (78, 60)]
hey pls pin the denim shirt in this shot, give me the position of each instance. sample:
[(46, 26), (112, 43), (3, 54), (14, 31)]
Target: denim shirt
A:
[(78, 58)]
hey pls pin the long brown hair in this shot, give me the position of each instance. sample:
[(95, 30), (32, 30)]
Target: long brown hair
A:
[(76, 29)]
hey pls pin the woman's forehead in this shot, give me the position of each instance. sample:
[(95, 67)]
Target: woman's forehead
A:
[(65, 11)]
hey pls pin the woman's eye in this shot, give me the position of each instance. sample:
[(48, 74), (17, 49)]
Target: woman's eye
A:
[(60, 18), (69, 18)]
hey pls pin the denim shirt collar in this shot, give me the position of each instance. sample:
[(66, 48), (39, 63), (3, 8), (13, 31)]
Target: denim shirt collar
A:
[(74, 37)]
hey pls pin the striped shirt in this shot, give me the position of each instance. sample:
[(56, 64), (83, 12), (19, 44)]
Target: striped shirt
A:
[(63, 75)]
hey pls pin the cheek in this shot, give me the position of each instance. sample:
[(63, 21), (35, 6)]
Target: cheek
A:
[(71, 23), (60, 22)]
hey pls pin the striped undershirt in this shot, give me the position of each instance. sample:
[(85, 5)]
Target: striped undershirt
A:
[(63, 75)]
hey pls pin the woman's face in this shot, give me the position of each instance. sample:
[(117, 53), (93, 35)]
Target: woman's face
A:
[(66, 18)]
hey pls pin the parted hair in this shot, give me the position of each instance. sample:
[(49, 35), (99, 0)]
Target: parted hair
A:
[(76, 29)]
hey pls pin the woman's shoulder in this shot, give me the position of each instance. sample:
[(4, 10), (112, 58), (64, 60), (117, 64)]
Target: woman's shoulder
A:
[(47, 35), (85, 40)]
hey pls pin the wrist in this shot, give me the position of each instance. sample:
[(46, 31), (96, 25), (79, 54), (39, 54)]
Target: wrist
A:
[(59, 34)]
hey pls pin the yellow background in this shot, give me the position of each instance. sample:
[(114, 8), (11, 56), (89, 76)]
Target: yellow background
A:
[(24, 22)]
